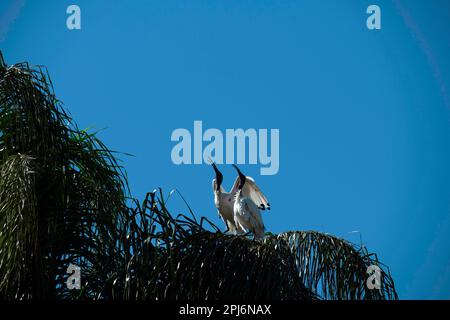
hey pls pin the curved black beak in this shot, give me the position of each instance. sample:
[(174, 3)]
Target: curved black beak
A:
[(219, 176), (241, 176)]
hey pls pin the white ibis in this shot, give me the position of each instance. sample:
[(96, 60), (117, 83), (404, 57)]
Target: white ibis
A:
[(224, 202), (248, 202)]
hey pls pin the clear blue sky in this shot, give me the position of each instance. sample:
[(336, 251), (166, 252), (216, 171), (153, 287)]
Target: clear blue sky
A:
[(364, 116)]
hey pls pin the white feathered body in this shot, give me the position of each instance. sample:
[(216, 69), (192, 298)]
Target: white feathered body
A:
[(224, 202), (247, 215)]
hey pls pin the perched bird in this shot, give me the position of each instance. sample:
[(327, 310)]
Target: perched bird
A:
[(248, 202), (224, 202)]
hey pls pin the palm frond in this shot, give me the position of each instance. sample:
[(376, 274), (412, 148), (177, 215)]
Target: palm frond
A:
[(334, 268), (20, 263), (168, 257), (79, 187)]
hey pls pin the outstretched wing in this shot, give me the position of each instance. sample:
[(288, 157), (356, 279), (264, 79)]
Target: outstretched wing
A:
[(256, 224), (235, 187), (252, 191), (255, 216)]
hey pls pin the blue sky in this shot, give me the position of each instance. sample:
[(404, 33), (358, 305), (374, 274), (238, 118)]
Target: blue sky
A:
[(364, 116)]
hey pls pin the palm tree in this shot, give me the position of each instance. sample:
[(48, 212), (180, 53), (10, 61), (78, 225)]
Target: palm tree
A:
[(64, 199)]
